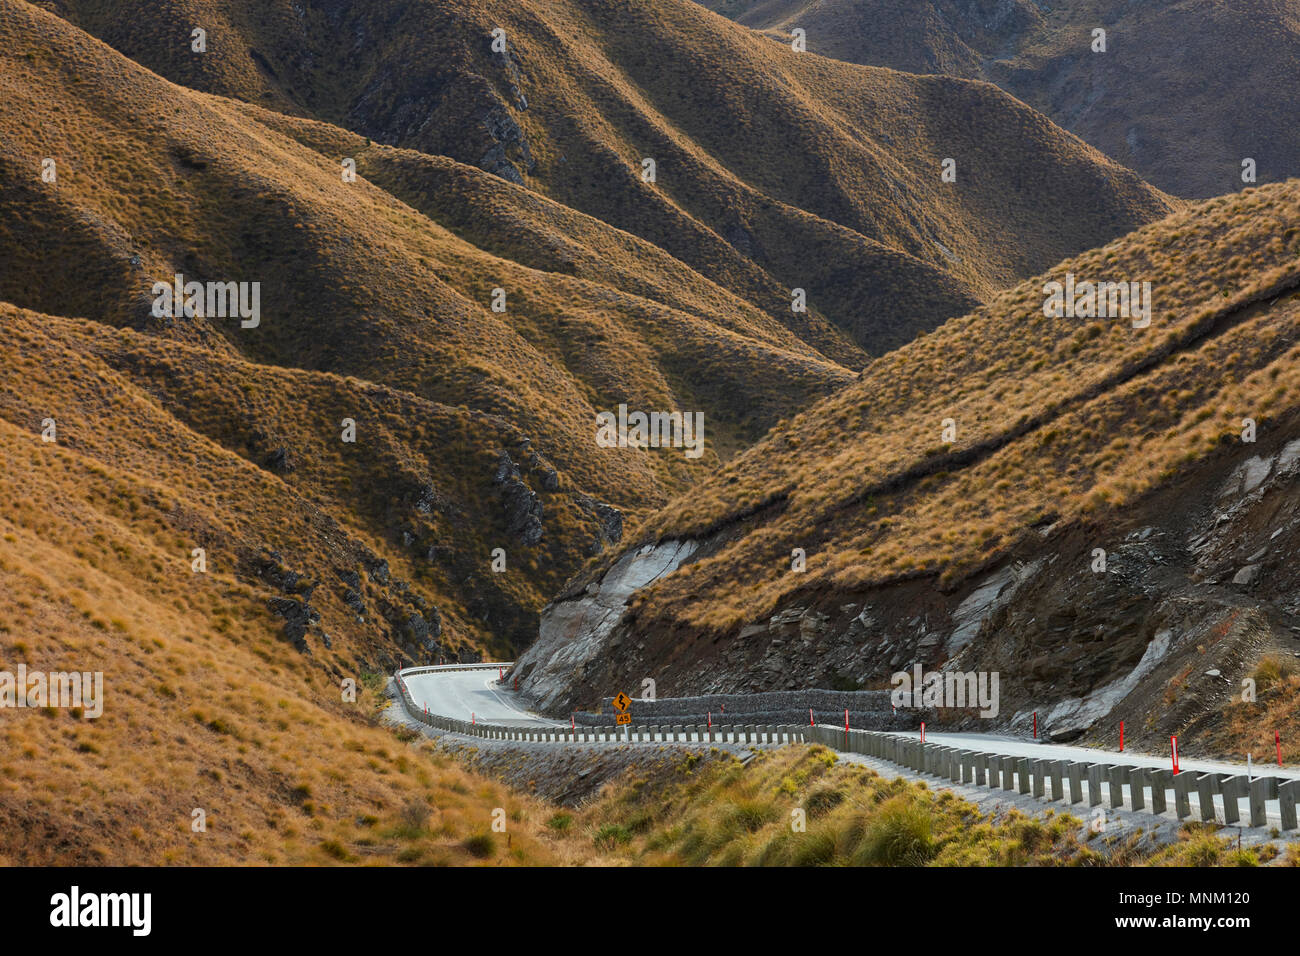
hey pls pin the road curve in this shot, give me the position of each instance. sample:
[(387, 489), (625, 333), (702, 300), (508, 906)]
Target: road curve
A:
[(470, 695), (474, 694), (456, 694)]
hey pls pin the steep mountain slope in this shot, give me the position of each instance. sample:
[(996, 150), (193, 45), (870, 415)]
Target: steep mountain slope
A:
[(962, 484), (1182, 94), (774, 170), (481, 433), (206, 706)]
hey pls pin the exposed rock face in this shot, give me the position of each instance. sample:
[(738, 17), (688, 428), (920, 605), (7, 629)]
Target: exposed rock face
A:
[(378, 570), (298, 617), (278, 460), (509, 152), (993, 592), (423, 631), (609, 523), (523, 509), (1199, 577), (575, 631)]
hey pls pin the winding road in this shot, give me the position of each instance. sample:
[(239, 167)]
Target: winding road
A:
[(466, 694)]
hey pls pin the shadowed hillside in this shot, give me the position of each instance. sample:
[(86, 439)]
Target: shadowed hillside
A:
[(1182, 94)]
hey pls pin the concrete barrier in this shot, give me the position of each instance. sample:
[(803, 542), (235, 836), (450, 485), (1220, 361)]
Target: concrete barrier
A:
[(1074, 770), (1039, 771), (1095, 771), (1057, 772), (966, 766), (1160, 782), (1022, 770), (1207, 785), (1287, 791), (1258, 792), (1184, 783), (1119, 775), (1233, 789), (1137, 781)]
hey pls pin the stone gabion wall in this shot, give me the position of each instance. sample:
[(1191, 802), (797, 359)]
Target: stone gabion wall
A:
[(869, 709)]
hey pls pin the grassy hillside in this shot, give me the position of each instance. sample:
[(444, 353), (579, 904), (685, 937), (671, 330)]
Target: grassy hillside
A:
[(207, 703), (774, 170), (1182, 94), (723, 813), (1056, 416), (362, 283), (1067, 434)]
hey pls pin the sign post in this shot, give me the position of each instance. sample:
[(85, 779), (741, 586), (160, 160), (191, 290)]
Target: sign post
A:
[(621, 704)]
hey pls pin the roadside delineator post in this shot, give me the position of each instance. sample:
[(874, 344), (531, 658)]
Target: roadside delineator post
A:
[(501, 674), (573, 728), (846, 726), (923, 731), (472, 718), (811, 722), (1173, 743), (1121, 736), (709, 733)]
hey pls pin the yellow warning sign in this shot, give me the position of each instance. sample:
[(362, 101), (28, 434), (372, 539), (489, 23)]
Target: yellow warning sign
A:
[(623, 719), (621, 702)]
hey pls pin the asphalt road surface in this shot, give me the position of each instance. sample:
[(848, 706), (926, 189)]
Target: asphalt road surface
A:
[(471, 695)]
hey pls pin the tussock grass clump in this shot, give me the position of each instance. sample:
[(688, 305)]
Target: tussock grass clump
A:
[(794, 807)]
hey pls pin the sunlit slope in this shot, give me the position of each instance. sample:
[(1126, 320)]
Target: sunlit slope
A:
[(816, 174), (1055, 419), (209, 703)]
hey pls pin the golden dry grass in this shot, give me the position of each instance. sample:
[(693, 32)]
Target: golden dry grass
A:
[(1056, 419), (720, 813), (775, 169)]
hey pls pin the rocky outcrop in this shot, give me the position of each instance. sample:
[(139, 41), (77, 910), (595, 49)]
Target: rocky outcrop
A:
[(608, 521), (522, 506), (1151, 615), (575, 632), (298, 616), (509, 156)]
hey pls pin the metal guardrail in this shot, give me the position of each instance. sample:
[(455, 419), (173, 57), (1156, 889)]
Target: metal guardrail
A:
[(670, 733), (1067, 778), (1064, 778), (481, 666)]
